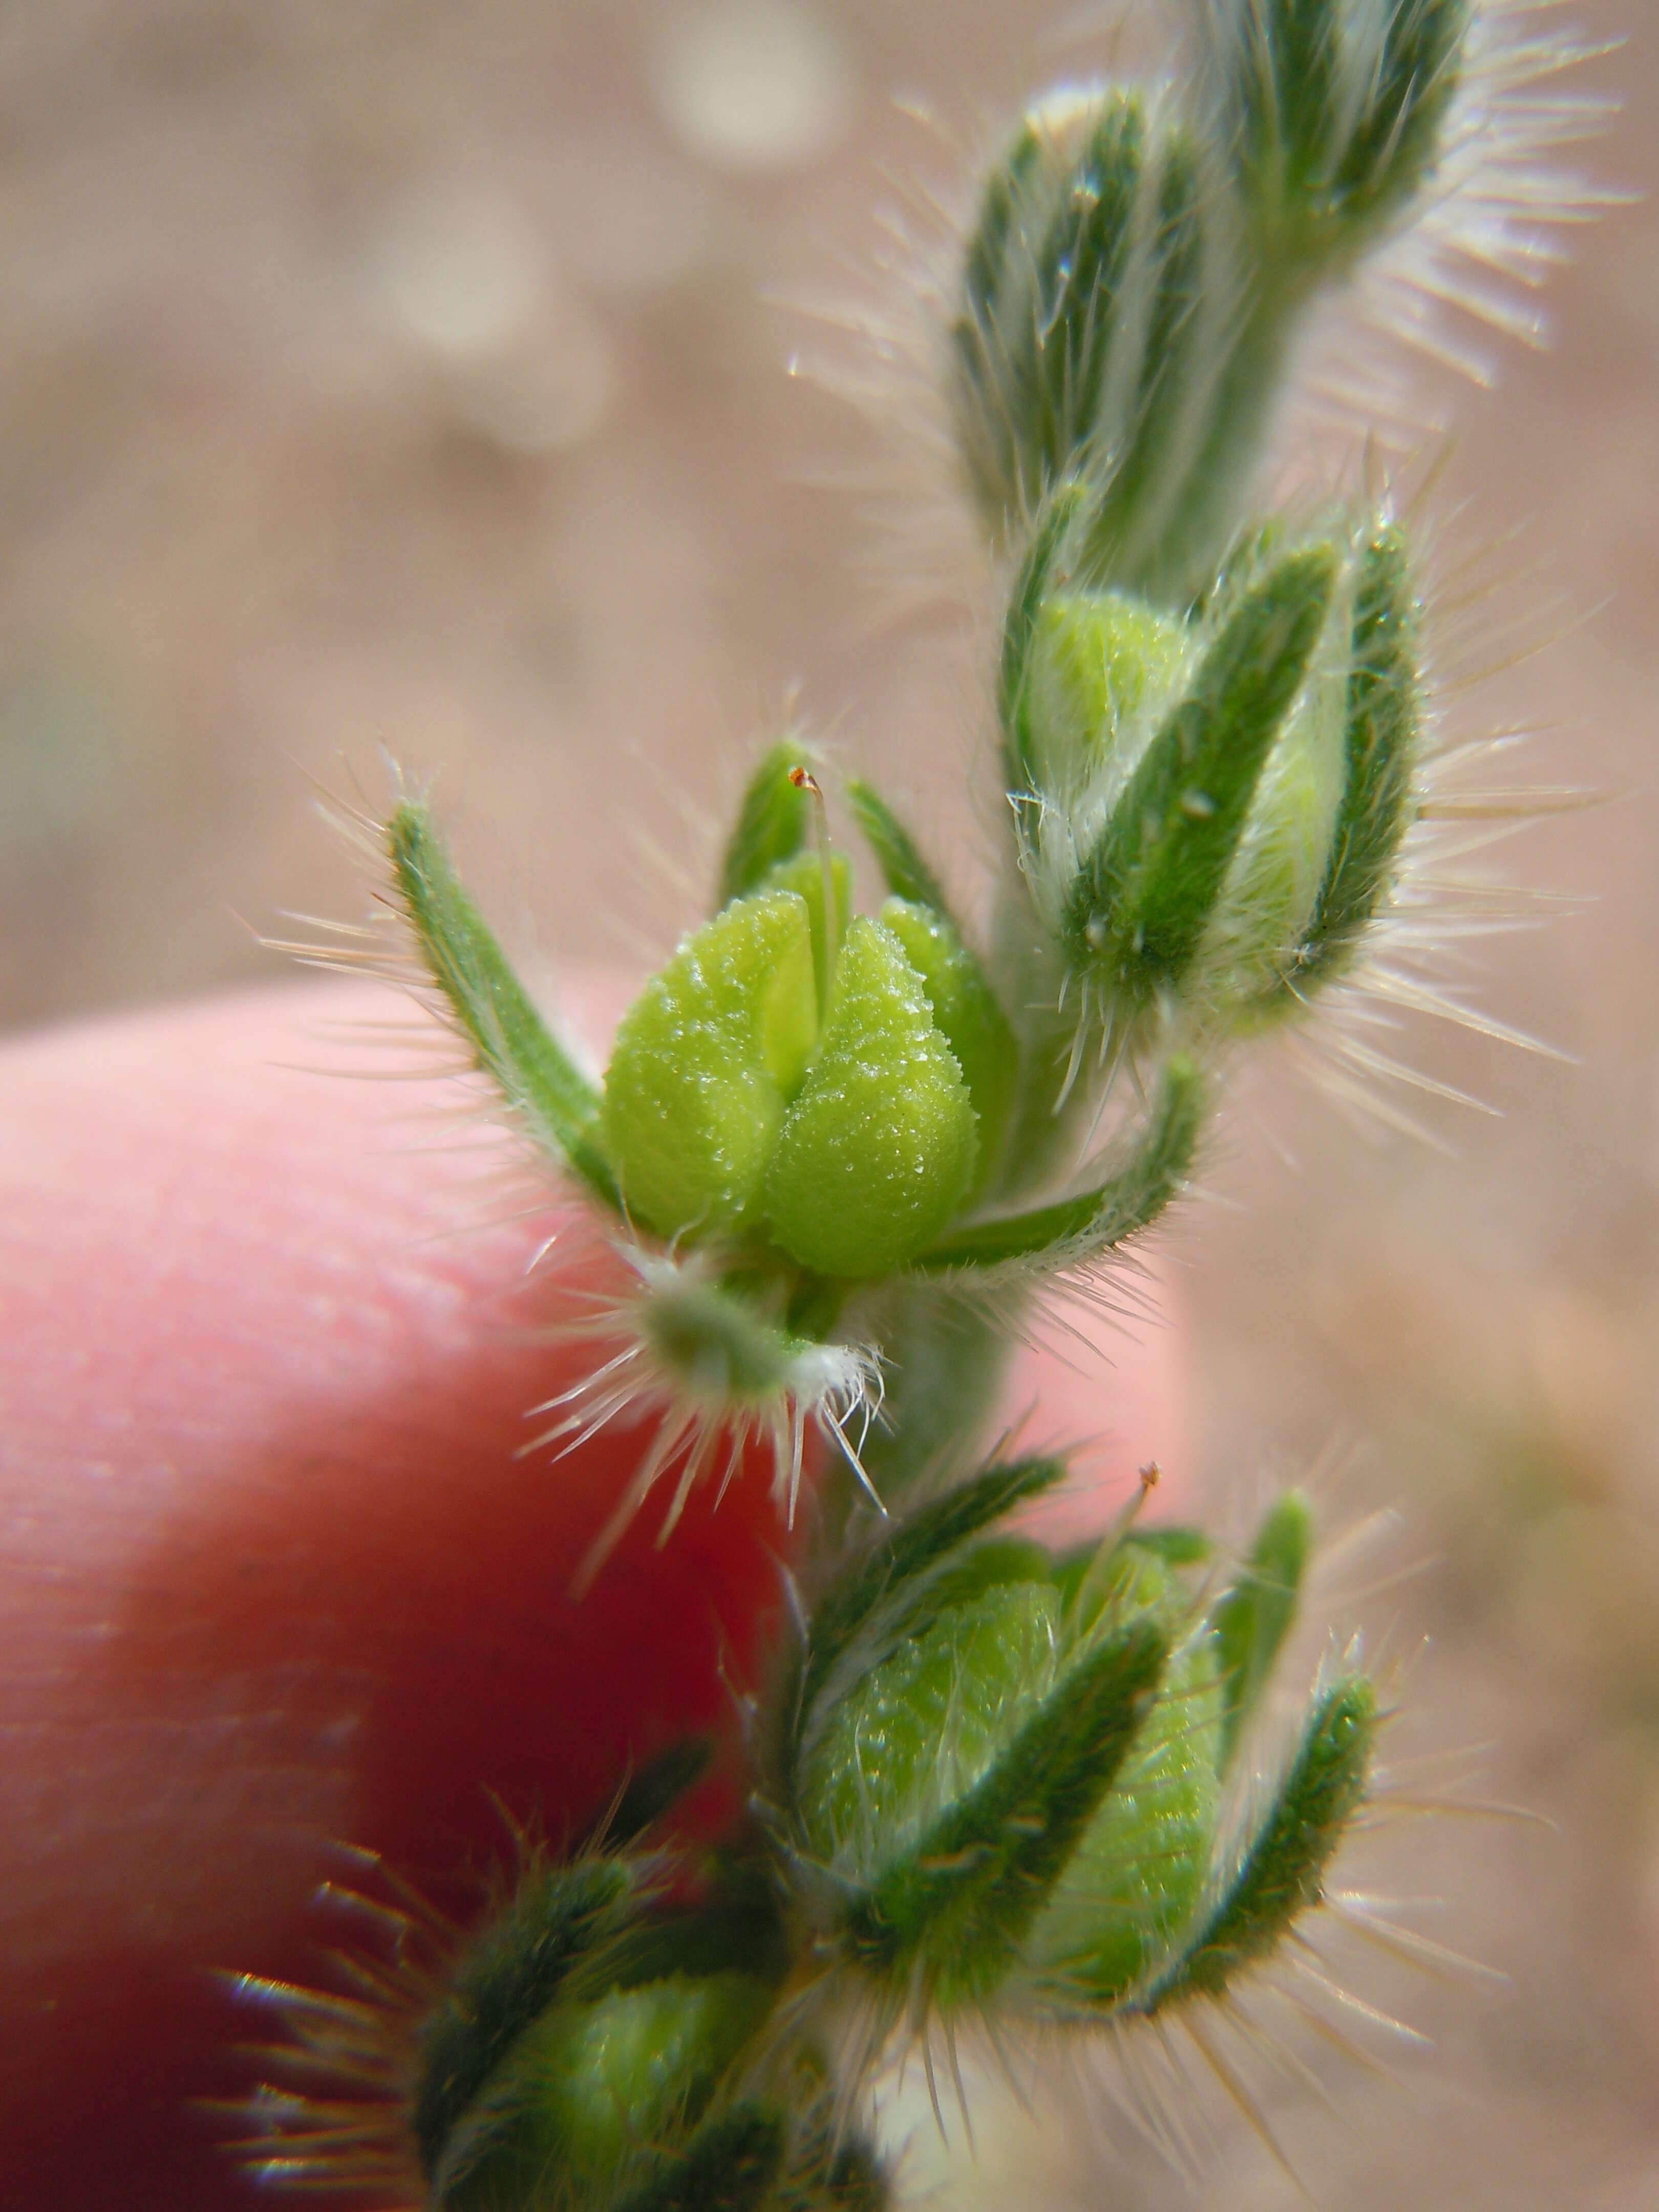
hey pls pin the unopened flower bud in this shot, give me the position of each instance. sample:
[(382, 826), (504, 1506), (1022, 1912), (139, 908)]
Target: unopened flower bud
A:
[(1212, 812), (1333, 115), (1003, 1772), (1097, 310)]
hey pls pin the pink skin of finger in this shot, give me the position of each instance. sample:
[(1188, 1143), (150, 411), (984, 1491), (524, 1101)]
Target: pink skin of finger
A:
[(275, 1571)]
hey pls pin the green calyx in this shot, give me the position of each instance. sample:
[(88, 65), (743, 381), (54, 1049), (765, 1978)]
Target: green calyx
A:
[(600, 2049), (727, 1111), (1211, 813), (815, 1097), (1001, 1772)]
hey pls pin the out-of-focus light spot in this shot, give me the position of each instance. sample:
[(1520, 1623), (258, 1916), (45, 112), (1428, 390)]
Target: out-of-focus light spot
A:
[(756, 85), (628, 215), (457, 270), (546, 395), (521, 362)]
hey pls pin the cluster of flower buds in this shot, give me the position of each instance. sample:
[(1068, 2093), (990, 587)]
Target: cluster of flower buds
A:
[(1141, 261), (995, 1780)]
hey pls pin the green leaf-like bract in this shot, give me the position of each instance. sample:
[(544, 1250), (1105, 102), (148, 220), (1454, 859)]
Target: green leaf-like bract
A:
[(1075, 1232), (1255, 1617), (1284, 1864), (543, 1089), (773, 822), (1138, 909), (903, 870)]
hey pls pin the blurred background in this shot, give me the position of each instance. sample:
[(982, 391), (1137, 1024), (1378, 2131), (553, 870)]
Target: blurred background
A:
[(418, 377)]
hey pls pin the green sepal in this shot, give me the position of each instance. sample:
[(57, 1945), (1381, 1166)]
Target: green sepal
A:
[(1378, 803), (1012, 207), (1282, 1869), (1142, 900), (654, 1788), (705, 1063), (1045, 570), (558, 1916), (876, 1152), (1075, 1232), (1143, 496), (804, 876), (872, 1604), (968, 1019), (545, 1092), (773, 822), (1253, 1619), (1099, 664), (1138, 1869), (957, 1904), (903, 870)]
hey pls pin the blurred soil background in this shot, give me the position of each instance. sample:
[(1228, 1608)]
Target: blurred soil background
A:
[(415, 376)]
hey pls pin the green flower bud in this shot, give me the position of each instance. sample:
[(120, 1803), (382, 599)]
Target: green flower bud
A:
[(704, 1065), (877, 1152), (1098, 306), (586, 2034), (1146, 890), (1000, 1771), (1213, 812), (959, 1722), (1335, 113), (1135, 273)]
